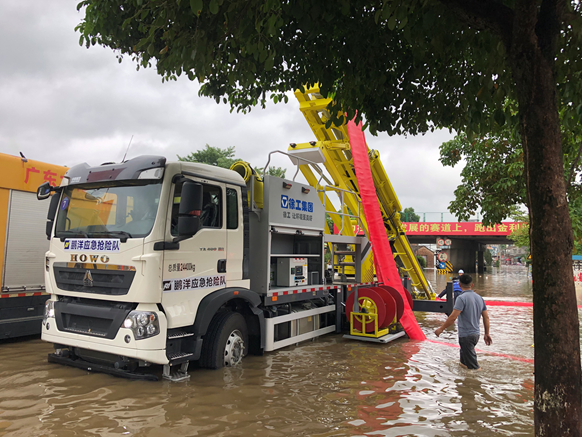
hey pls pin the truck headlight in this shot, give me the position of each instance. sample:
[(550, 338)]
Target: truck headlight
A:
[(143, 324), (49, 310)]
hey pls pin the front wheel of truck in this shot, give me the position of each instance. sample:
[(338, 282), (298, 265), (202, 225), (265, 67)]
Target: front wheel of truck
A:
[(226, 342)]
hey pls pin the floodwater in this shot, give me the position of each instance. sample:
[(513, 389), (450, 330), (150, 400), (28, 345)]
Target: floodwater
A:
[(328, 387)]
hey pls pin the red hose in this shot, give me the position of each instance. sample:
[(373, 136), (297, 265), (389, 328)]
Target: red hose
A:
[(503, 303), (377, 232)]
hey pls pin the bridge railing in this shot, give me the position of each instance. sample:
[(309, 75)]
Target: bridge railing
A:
[(443, 216)]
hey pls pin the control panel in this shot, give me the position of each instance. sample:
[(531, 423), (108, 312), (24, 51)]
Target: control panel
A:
[(291, 272)]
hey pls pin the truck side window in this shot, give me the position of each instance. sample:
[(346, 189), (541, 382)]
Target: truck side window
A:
[(231, 209), (211, 215)]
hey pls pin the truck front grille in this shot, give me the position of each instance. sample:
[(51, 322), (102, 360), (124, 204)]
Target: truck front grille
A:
[(94, 278)]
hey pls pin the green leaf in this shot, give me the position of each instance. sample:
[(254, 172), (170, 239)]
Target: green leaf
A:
[(263, 55), (428, 19), (345, 8), (377, 15), (196, 6), (213, 7), (392, 22), (151, 49), (270, 62)]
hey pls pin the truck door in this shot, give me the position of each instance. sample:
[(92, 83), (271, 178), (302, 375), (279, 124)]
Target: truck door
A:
[(197, 267), (234, 235)]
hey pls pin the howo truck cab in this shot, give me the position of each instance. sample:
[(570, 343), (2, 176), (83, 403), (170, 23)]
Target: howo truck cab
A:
[(163, 263)]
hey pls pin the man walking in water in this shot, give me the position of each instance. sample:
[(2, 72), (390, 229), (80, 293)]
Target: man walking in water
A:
[(469, 307)]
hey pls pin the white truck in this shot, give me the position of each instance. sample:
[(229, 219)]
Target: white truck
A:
[(155, 262)]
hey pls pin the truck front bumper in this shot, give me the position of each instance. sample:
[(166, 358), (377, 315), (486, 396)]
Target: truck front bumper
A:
[(93, 367), (123, 344)]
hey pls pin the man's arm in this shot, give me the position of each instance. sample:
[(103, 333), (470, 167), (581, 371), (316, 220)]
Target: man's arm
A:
[(448, 322), (487, 337)]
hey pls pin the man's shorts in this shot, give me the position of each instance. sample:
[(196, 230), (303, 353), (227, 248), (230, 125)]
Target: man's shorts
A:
[(468, 354)]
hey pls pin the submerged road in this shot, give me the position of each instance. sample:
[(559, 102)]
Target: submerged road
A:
[(330, 387)]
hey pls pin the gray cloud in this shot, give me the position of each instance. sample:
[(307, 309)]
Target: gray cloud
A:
[(64, 104)]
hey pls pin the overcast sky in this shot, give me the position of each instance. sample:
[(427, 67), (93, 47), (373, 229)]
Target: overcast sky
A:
[(64, 104)]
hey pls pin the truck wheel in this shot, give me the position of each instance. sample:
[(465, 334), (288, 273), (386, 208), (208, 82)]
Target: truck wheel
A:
[(226, 342)]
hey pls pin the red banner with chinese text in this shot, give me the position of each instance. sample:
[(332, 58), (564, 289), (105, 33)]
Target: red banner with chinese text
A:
[(451, 229)]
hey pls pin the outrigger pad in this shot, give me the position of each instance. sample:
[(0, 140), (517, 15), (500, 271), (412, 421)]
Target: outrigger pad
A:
[(91, 367)]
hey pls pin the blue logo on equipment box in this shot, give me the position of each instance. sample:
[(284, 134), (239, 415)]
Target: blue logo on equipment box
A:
[(296, 204)]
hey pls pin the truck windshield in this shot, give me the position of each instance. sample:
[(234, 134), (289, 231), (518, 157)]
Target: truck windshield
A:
[(116, 211)]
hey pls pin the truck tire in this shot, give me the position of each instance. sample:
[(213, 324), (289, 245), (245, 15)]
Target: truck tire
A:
[(226, 342)]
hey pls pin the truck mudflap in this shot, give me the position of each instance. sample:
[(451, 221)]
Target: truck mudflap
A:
[(99, 368)]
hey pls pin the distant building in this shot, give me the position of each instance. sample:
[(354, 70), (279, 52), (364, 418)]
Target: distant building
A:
[(424, 252)]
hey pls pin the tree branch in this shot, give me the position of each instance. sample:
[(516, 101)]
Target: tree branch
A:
[(550, 17), (485, 15)]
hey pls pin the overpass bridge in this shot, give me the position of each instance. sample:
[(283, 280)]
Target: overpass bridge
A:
[(468, 240)]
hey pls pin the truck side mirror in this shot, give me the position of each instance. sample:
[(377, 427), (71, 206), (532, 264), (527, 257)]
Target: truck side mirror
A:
[(190, 209), (43, 191)]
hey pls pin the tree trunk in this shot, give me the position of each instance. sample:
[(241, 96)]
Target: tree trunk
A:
[(558, 396)]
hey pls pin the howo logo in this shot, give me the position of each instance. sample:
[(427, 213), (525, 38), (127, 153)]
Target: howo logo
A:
[(91, 258), (88, 279)]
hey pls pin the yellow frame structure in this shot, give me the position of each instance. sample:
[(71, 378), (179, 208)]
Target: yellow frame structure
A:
[(377, 333), (333, 142)]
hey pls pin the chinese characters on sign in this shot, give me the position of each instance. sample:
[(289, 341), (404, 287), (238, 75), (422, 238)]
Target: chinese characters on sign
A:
[(49, 176), (465, 228), (180, 267), (28, 171), (103, 245), (195, 283), (297, 209)]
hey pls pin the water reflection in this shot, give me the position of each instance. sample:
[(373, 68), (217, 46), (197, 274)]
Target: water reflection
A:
[(330, 387), (511, 283)]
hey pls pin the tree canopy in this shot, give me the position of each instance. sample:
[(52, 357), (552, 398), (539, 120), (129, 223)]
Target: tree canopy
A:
[(493, 180), (273, 171), (225, 158), (212, 156), (408, 67), (408, 215)]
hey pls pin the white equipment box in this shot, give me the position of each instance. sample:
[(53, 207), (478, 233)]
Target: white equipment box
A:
[(291, 272)]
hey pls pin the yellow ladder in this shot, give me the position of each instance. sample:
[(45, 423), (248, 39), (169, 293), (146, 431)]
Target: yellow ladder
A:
[(332, 149)]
